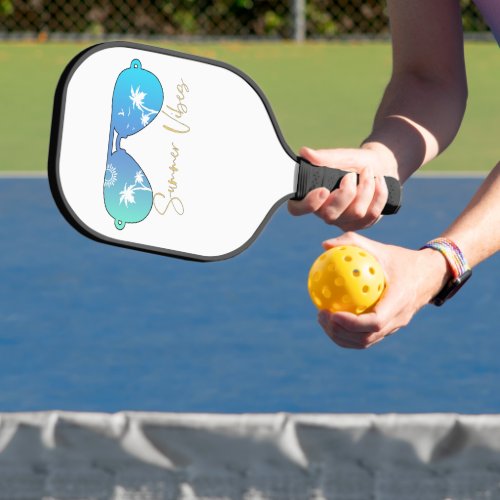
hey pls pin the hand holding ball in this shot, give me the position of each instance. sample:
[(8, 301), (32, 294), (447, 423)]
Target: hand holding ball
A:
[(346, 278)]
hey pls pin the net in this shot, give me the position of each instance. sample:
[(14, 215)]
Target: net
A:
[(159, 456)]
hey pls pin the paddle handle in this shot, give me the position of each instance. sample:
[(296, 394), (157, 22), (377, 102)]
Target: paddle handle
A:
[(311, 177)]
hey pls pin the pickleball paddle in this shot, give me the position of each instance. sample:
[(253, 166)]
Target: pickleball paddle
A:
[(172, 153)]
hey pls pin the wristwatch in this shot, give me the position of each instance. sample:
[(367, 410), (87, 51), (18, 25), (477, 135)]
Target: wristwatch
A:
[(460, 270)]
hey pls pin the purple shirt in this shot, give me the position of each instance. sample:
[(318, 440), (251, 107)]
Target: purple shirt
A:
[(490, 9)]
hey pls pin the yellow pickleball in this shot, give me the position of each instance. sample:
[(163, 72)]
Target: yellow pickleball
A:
[(346, 278)]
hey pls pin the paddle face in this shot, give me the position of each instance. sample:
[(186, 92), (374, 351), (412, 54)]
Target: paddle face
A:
[(165, 152)]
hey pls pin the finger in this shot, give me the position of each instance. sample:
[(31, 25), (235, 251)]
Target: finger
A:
[(311, 203), (359, 341), (338, 334), (341, 340), (365, 191), (380, 195), (311, 155), (338, 201), (372, 343), (385, 318), (394, 309), (366, 209), (376, 338), (349, 338), (362, 324), (358, 224), (362, 340), (393, 332), (353, 341)]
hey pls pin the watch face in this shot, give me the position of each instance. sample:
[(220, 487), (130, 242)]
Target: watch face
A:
[(451, 288)]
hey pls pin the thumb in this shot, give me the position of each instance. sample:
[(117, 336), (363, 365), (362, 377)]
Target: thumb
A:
[(352, 159), (349, 238), (311, 155)]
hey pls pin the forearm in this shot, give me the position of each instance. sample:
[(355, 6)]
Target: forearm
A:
[(424, 103), (477, 230), (416, 120)]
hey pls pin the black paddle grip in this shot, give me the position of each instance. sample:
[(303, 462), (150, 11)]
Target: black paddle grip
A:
[(311, 177)]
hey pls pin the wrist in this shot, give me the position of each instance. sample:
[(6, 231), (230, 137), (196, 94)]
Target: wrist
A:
[(387, 160), (437, 272)]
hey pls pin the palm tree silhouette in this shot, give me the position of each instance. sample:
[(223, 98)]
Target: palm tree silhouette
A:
[(127, 194), (137, 98)]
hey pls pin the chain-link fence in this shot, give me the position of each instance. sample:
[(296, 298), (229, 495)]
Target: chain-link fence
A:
[(206, 18)]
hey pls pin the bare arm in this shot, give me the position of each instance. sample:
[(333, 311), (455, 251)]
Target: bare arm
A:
[(477, 230), (424, 102), (419, 115)]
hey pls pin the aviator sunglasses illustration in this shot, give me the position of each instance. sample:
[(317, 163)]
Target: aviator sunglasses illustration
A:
[(137, 100)]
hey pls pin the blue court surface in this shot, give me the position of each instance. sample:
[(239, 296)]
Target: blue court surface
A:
[(90, 327)]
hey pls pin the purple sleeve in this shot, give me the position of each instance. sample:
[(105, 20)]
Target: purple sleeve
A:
[(490, 9)]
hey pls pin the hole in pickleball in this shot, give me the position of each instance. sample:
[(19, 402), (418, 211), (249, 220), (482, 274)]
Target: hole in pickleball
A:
[(372, 270), (348, 258), (379, 287), (356, 273), (360, 309), (317, 276), (339, 281), (346, 299), (317, 300), (362, 254), (366, 289)]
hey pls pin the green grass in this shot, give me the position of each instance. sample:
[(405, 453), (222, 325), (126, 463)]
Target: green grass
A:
[(323, 94)]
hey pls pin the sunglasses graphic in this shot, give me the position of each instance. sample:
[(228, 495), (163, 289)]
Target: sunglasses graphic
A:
[(137, 100)]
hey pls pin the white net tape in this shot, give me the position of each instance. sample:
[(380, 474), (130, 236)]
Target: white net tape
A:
[(160, 456)]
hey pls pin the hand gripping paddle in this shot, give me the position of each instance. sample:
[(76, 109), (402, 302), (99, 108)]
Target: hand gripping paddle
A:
[(172, 153)]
